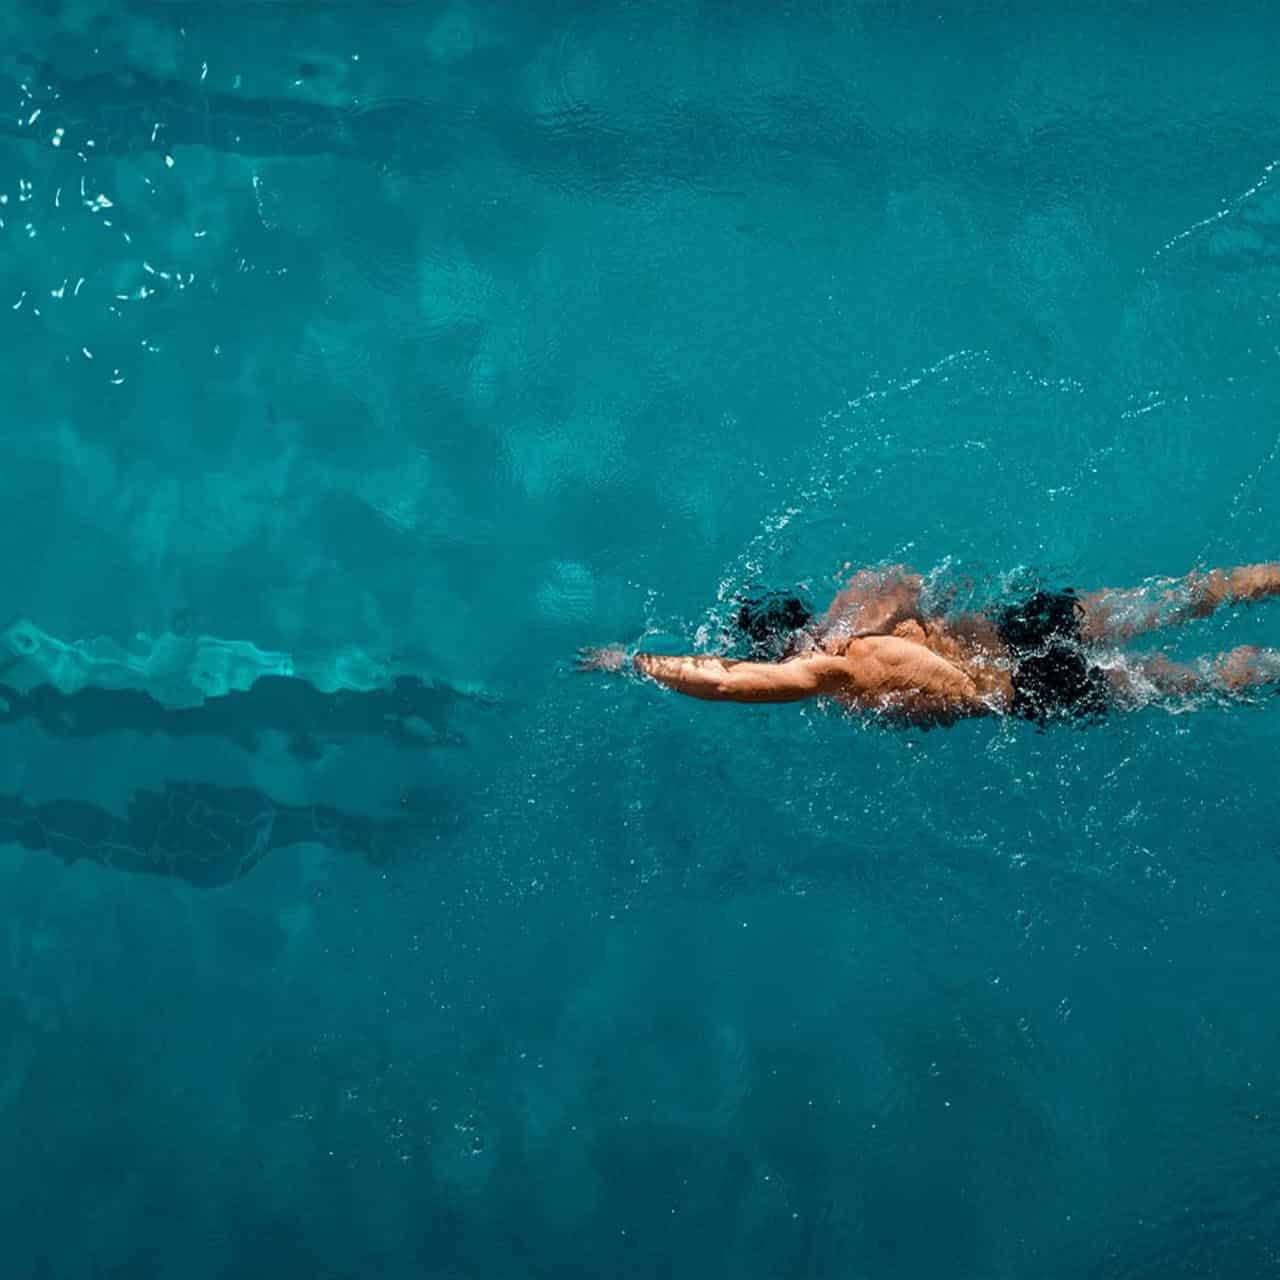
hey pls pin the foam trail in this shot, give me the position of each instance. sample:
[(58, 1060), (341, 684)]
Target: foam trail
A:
[(1227, 209), (1242, 494)]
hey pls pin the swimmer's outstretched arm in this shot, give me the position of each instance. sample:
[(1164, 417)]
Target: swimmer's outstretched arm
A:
[(727, 680)]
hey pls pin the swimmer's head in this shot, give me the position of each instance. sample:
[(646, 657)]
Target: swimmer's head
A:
[(770, 623)]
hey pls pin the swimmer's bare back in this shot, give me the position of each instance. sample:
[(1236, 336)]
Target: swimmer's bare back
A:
[(933, 670)]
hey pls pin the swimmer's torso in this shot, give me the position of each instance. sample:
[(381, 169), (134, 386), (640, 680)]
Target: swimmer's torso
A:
[(927, 669)]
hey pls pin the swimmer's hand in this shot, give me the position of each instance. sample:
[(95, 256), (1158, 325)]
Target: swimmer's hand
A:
[(611, 657)]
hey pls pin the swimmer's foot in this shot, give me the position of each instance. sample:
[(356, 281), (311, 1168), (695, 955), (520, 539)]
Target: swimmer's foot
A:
[(1247, 667), (1256, 581)]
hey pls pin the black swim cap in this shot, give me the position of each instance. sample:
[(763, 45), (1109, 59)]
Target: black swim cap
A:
[(770, 621)]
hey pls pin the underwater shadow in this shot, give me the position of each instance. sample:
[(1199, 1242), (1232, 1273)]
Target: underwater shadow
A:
[(409, 712), (205, 834)]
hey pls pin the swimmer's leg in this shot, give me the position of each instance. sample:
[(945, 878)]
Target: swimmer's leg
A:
[(1114, 616), (1236, 674), (1244, 669)]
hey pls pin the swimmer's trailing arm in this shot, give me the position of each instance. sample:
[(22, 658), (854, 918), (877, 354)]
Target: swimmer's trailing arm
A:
[(726, 680)]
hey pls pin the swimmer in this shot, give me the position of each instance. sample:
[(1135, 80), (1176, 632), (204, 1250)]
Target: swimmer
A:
[(1055, 655)]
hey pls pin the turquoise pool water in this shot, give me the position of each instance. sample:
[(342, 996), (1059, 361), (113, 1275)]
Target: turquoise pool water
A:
[(361, 362)]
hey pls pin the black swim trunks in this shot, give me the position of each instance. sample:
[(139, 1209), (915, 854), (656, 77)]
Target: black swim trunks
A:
[(1052, 675)]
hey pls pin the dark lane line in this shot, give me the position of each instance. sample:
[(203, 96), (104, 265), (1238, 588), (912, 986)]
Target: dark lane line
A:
[(409, 713), (580, 148), (204, 834)]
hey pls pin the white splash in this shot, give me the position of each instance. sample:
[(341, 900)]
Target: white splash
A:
[(1227, 209)]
